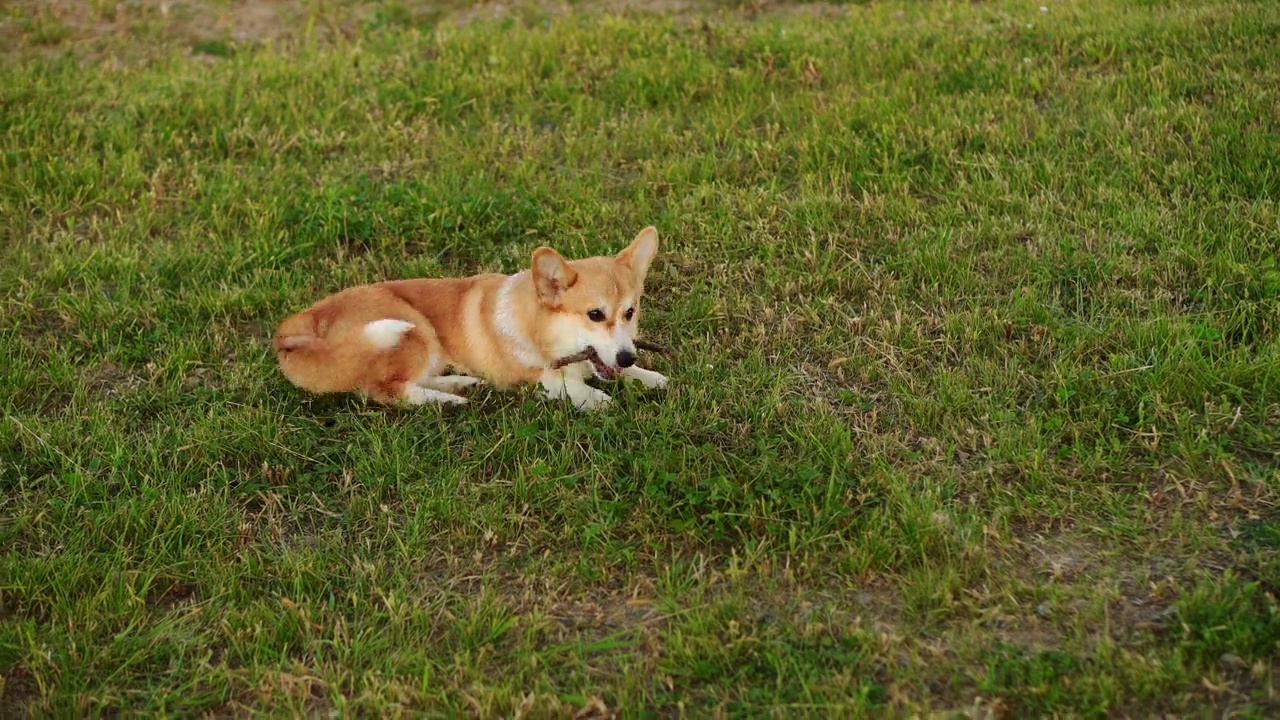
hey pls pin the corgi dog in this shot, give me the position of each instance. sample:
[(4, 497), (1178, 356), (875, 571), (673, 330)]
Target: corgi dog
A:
[(393, 341)]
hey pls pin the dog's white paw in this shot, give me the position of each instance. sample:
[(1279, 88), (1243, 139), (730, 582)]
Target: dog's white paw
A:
[(590, 399), (648, 378), (418, 395), (558, 385)]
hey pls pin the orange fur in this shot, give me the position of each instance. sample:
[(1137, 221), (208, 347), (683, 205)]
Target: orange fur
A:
[(394, 340)]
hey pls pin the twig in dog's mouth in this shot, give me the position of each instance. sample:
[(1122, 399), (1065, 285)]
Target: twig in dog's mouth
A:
[(652, 347), (591, 354), (601, 367), (588, 354)]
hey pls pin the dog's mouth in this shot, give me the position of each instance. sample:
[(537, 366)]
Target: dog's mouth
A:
[(605, 372), (603, 369)]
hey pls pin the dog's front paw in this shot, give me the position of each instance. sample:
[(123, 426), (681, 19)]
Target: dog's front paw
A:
[(648, 378), (589, 399)]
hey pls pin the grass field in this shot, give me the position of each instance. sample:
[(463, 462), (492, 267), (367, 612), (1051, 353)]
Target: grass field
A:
[(975, 404)]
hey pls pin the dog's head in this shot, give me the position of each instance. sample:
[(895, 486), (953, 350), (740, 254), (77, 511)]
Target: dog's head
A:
[(594, 303)]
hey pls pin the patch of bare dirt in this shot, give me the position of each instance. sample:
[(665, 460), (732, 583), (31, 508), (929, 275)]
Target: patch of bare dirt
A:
[(108, 379), (18, 693)]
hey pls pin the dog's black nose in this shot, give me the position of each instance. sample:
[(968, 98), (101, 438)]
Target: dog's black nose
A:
[(626, 358)]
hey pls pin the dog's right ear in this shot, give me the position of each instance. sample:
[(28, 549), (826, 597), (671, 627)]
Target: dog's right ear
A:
[(551, 276)]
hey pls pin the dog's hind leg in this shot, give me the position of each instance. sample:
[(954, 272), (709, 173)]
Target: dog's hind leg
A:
[(450, 383), (419, 395), (408, 360)]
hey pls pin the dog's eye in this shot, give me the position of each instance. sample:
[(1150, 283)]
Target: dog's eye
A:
[(596, 315), (631, 312)]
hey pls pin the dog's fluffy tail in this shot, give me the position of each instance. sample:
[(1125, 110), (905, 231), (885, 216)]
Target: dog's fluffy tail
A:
[(387, 333), (314, 361), (381, 334)]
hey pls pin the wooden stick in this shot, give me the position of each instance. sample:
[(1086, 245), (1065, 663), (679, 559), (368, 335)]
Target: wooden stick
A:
[(587, 354), (590, 354), (652, 347)]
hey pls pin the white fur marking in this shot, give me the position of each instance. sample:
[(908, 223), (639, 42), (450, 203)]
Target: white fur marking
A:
[(385, 334), (622, 338), (504, 319)]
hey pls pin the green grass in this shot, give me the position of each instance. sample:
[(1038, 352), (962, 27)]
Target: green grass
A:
[(975, 398)]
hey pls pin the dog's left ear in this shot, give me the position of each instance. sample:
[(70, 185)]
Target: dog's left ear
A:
[(639, 254)]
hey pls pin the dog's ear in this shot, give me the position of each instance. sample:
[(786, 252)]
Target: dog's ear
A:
[(551, 276), (639, 254)]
